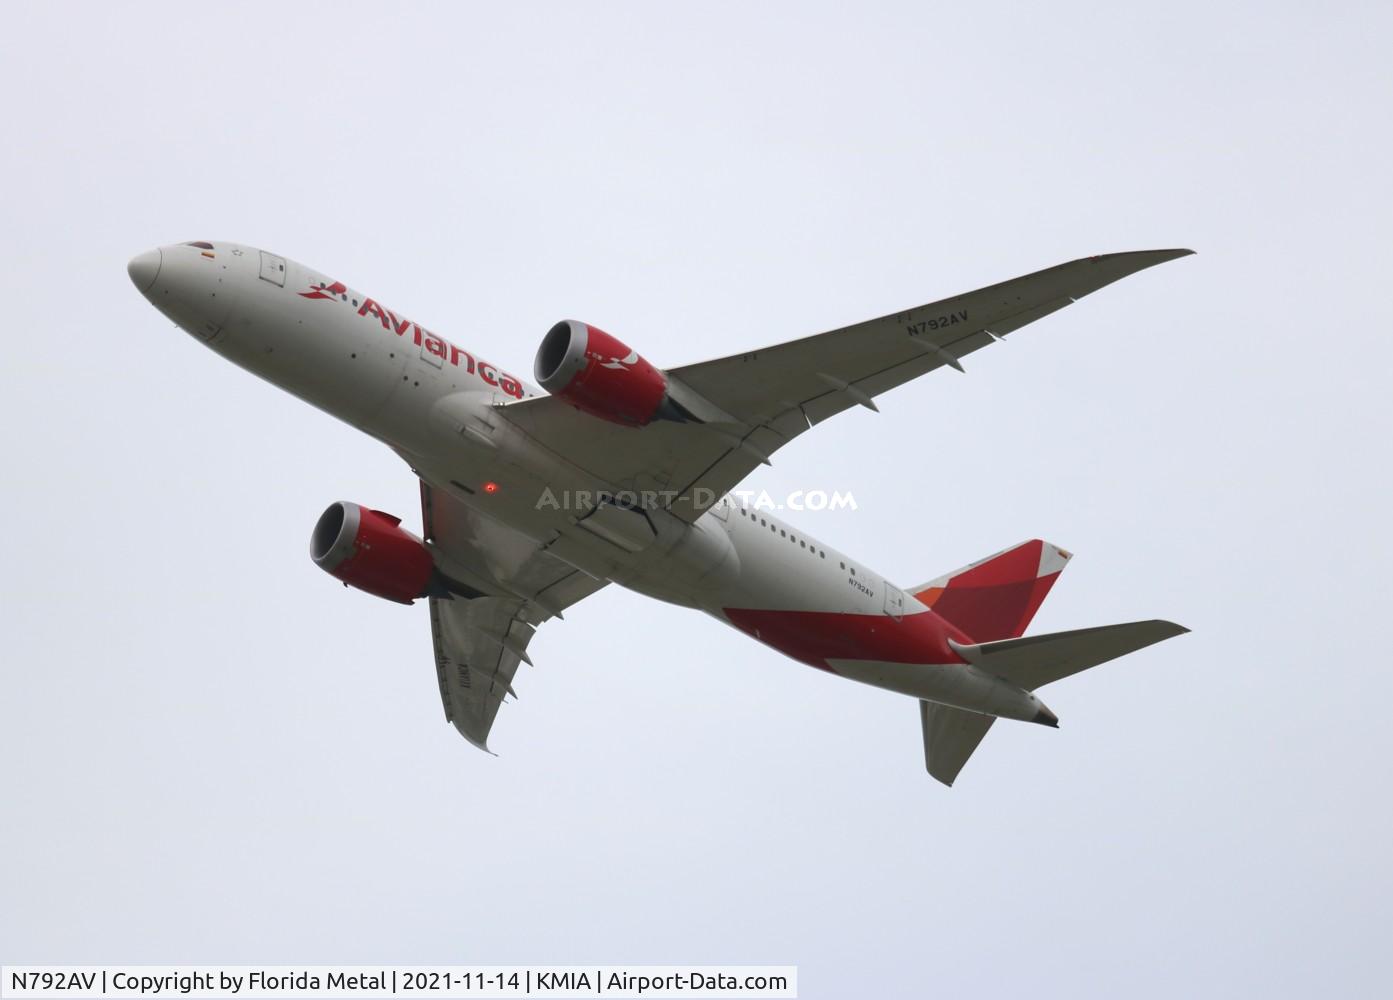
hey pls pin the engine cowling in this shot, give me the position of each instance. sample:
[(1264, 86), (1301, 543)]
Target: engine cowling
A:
[(370, 550), (601, 375)]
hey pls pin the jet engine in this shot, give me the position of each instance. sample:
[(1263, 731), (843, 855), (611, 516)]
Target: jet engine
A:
[(597, 373), (370, 550)]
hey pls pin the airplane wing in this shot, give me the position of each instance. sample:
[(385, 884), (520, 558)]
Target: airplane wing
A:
[(507, 587), (761, 400)]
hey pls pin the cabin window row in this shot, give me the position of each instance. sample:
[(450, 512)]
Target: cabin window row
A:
[(784, 533)]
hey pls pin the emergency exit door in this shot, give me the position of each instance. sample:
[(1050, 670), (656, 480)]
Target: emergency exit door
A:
[(272, 268)]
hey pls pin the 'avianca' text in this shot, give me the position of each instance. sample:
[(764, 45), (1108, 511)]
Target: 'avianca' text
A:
[(432, 343)]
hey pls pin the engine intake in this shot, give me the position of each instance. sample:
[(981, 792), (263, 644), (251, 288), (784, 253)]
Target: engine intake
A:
[(369, 549), (601, 375)]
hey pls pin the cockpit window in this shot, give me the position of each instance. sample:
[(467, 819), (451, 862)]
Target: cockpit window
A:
[(201, 244)]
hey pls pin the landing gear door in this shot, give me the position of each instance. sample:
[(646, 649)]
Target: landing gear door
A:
[(272, 268), (894, 601)]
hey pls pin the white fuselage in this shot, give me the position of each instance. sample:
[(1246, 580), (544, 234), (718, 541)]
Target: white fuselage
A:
[(435, 404)]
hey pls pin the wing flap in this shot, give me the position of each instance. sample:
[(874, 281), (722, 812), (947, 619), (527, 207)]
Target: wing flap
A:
[(480, 638), (1013, 322), (478, 645)]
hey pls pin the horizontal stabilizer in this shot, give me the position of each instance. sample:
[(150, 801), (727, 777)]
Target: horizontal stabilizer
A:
[(1034, 661), (950, 737)]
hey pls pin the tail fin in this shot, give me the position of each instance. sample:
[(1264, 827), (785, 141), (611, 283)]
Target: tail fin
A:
[(995, 598)]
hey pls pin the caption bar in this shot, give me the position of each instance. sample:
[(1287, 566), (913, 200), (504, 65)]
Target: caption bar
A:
[(757, 982)]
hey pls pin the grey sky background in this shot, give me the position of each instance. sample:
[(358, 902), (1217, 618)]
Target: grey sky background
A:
[(211, 752)]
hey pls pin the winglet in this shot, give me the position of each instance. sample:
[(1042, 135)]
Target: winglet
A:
[(477, 743)]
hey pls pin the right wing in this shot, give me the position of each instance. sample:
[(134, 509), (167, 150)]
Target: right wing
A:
[(505, 586), (749, 405)]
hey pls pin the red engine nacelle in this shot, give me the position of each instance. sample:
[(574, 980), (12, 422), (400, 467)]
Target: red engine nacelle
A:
[(369, 550), (596, 373)]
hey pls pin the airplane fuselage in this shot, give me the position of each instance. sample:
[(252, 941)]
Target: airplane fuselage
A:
[(443, 410)]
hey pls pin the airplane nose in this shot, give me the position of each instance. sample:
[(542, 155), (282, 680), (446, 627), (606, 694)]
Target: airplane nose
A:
[(144, 268)]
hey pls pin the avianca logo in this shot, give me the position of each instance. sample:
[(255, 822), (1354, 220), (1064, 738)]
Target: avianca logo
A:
[(616, 364), (325, 291), (423, 338)]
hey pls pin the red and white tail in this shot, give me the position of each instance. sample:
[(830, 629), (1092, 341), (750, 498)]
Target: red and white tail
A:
[(996, 597)]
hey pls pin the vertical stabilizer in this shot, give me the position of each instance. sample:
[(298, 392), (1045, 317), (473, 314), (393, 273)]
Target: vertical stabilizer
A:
[(995, 598)]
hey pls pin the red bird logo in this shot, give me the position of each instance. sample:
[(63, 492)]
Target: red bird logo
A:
[(323, 291)]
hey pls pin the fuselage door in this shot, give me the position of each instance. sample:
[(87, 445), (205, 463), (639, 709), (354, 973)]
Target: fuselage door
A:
[(894, 601), (272, 268), (433, 350)]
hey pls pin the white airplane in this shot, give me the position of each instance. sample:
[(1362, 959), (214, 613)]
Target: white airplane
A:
[(621, 472)]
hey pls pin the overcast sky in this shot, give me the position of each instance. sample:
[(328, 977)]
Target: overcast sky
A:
[(212, 752)]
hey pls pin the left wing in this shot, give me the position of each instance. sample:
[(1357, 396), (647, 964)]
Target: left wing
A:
[(506, 585), (752, 404)]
